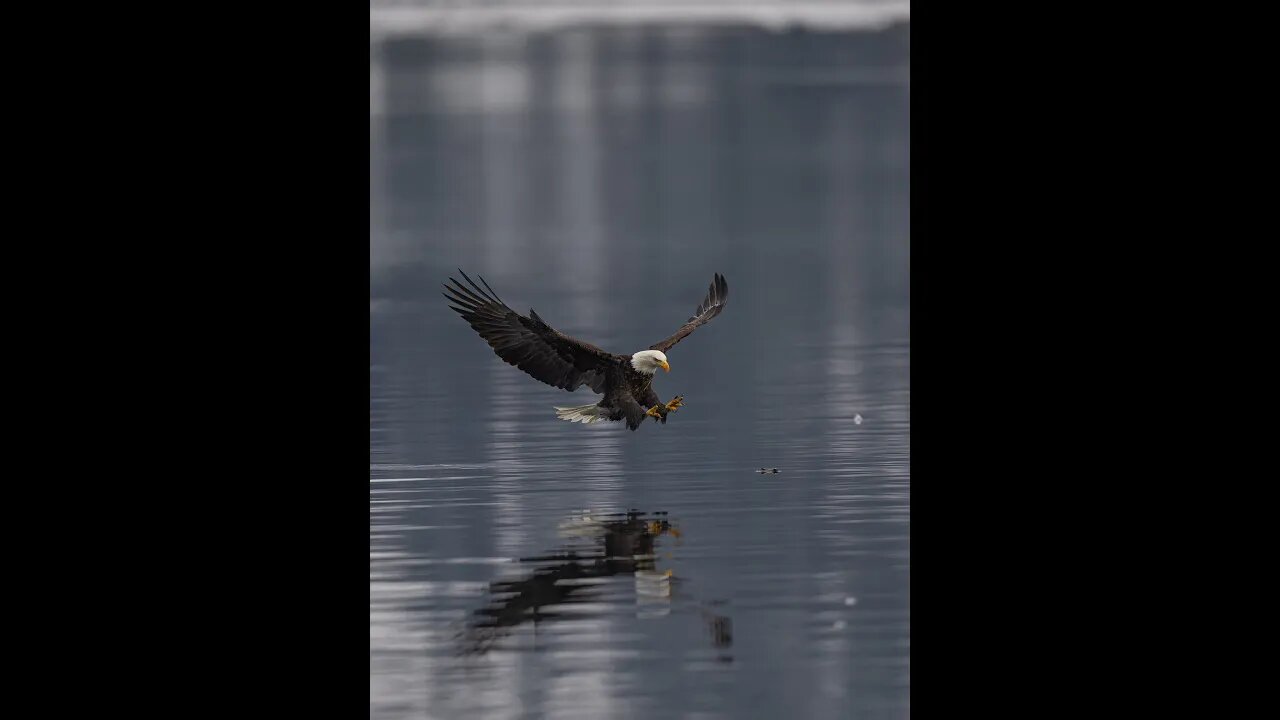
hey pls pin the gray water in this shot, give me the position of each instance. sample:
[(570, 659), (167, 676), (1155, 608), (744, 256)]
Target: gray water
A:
[(602, 177)]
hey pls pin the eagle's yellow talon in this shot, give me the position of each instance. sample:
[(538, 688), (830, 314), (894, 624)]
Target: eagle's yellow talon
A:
[(654, 412), (675, 403)]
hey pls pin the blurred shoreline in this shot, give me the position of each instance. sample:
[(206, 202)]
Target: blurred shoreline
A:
[(432, 17)]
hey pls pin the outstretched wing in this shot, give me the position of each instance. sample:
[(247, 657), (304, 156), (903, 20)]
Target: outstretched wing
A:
[(527, 342), (711, 306)]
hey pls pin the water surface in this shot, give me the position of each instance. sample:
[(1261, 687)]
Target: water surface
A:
[(602, 176)]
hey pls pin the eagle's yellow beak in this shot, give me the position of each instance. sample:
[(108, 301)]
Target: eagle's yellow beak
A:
[(665, 366)]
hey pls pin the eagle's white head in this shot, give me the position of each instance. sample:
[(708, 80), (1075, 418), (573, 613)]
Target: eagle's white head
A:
[(648, 361)]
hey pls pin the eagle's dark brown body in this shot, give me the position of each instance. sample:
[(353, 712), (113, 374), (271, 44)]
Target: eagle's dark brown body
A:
[(632, 393), (558, 360)]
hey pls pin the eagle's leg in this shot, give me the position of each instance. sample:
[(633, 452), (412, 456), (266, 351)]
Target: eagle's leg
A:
[(659, 411)]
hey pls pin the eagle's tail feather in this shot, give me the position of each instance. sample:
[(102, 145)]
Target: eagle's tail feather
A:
[(583, 413)]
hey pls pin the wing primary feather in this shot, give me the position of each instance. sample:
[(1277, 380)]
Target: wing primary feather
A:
[(467, 293), (486, 284), (477, 287), (455, 296), (454, 292)]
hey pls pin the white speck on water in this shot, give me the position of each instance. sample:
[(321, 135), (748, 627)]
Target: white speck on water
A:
[(839, 625), (851, 601), (857, 419)]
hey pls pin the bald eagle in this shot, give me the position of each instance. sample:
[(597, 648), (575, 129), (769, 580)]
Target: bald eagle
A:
[(529, 343)]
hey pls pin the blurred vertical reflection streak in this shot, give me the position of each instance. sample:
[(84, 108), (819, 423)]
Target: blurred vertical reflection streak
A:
[(580, 260), (505, 86)]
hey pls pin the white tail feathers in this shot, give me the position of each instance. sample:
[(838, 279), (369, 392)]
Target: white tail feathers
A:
[(582, 413)]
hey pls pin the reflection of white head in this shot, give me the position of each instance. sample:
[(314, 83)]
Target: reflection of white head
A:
[(648, 362)]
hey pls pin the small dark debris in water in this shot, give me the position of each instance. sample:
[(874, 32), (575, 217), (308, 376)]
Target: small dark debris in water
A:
[(721, 630), (766, 471)]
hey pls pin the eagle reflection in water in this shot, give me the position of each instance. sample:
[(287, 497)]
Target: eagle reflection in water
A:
[(623, 545)]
